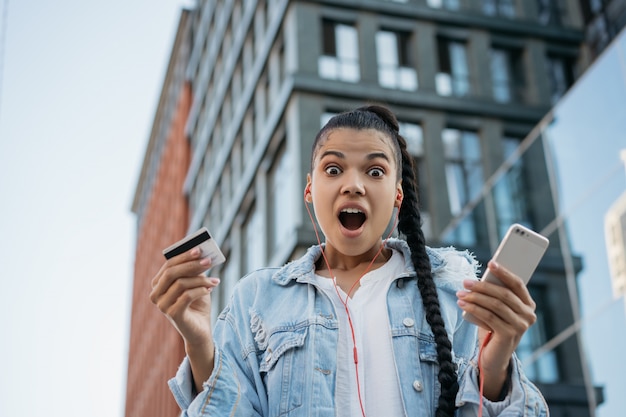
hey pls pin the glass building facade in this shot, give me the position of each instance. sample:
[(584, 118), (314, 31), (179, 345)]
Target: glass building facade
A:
[(585, 136)]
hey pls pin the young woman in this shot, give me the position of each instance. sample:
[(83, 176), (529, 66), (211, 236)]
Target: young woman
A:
[(363, 324)]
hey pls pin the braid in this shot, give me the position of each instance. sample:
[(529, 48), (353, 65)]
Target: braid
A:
[(409, 225)]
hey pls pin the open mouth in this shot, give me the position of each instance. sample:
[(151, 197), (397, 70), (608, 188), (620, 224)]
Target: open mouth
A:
[(352, 218)]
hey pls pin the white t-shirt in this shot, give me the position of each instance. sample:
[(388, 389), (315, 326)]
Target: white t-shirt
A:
[(378, 379)]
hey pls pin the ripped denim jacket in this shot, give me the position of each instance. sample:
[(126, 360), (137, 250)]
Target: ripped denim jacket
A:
[(279, 330)]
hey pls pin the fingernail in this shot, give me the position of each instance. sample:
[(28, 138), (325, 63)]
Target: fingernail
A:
[(468, 283), (215, 281), (461, 303), (205, 261), (493, 265), (195, 251)]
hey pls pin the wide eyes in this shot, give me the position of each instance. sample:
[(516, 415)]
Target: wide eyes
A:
[(334, 170), (376, 172)]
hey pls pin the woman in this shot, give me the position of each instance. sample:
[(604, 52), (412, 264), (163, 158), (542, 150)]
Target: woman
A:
[(363, 324)]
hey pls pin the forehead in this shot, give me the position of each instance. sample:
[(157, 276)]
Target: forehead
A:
[(366, 140)]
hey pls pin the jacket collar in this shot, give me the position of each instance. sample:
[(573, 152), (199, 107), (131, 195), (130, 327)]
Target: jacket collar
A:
[(303, 269)]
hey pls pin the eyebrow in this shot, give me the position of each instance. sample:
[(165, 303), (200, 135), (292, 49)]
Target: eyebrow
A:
[(370, 157)]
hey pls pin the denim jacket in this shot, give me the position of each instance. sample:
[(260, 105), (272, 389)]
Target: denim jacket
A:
[(276, 347)]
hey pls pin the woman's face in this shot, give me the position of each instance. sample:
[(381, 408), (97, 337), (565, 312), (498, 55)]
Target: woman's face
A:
[(354, 188)]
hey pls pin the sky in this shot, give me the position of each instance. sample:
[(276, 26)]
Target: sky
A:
[(80, 81)]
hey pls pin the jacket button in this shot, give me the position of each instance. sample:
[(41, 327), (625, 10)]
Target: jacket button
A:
[(408, 322), (417, 386)]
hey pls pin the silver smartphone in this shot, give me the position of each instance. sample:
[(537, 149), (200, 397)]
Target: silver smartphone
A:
[(520, 252), (201, 238)]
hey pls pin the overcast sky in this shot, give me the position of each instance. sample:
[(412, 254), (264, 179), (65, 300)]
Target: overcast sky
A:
[(80, 83)]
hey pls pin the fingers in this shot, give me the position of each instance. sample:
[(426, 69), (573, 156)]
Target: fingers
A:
[(507, 309), (511, 281), (498, 313), (183, 292), (188, 264)]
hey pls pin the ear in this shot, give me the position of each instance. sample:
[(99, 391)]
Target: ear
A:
[(307, 189), (399, 196)]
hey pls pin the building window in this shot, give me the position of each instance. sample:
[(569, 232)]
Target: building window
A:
[(254, 241), (545, 368), (504, 8), (464, 179), (548, 12), (395, 69), (445, 4), (414, 137), (215, 206), (230, 277), (340, 55), (453, 76), (325, 117), (511, 192), (225, 186), (507, 75), (561, 75), (282, 192)]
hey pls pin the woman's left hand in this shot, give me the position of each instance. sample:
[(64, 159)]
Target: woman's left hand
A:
[(506, 311)]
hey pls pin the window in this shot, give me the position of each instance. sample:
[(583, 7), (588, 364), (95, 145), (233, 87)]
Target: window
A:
[(545, 368), (340, 55), (282, 192), (511, 192), (548, 12), (254, 241), (230, 277), (505, 8), (237, 162), (325, 117), (453, 76), (464, 178), (445, 4), (225, 186), (215, 206), (561, 75), (394, 60), (414, 137), (506, 74)]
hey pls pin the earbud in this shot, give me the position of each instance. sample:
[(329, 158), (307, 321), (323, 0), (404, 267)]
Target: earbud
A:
[(307, 193)]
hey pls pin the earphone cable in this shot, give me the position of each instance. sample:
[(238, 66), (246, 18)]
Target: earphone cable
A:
[(345, 301)]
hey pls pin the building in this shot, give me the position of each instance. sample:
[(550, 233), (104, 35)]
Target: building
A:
[(615, 234), (252, 81), (604, 19)]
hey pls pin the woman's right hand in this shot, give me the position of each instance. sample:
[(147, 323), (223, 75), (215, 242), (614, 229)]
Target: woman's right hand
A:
[(183, 294)]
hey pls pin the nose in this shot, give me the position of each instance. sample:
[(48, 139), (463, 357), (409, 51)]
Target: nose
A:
[(353, 184)]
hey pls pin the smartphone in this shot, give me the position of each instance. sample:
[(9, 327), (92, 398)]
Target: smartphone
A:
[(201, 238), (520, 252)]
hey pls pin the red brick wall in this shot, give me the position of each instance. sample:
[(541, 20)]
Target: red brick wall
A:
[(156, 349)]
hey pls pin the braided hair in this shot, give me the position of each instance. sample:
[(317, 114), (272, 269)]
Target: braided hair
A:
[(409, 224)]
